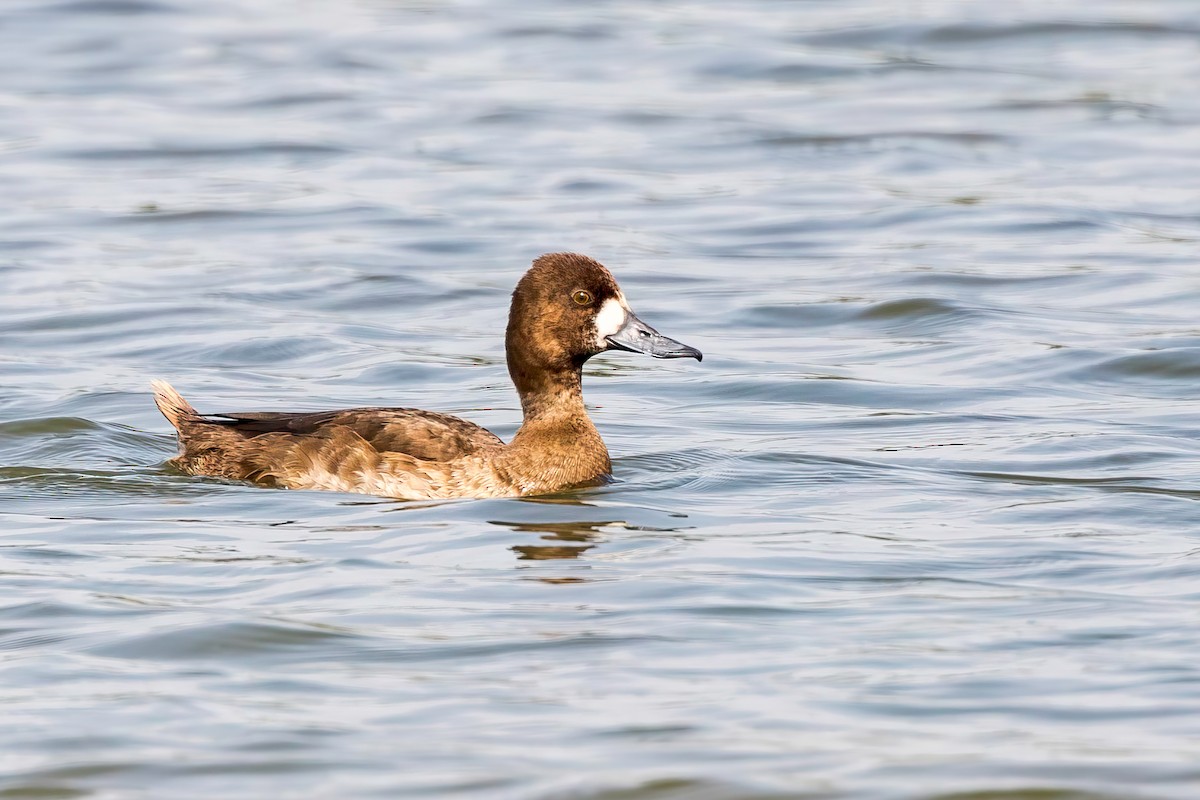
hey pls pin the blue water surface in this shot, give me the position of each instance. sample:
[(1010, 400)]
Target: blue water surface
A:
[(922, 526)]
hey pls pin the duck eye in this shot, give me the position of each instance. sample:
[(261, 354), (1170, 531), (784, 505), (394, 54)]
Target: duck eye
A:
[(581, 297)]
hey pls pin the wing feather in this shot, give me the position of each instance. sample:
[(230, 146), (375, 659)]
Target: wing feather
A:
[(425, 435)]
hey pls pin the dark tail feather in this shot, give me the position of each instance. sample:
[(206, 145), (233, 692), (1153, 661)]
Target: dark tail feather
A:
[(171, 403)]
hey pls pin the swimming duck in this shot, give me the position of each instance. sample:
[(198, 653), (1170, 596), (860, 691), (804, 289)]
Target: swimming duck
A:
[(566, 309)]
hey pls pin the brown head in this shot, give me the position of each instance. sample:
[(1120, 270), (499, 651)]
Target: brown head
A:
[(566, 309)]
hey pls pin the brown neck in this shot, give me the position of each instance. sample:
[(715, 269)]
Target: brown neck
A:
[(557, 445), (553, 409), (547, 395)]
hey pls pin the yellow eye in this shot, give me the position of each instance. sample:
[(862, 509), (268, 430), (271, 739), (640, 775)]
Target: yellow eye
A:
[(581, 297)]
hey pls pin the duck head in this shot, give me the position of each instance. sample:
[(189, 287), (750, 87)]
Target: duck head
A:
[(568, 308)]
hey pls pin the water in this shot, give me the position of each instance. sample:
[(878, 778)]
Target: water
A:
[(923, 525)]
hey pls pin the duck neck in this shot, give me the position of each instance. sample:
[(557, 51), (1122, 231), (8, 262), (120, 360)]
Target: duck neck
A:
[(552, 397), (557, 442)]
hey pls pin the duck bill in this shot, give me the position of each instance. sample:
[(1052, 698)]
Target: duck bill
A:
[(638, 337)]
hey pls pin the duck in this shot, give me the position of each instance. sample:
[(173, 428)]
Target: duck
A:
[(565, 309)]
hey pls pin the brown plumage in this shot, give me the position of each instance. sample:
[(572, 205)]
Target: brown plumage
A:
[(566, 309)]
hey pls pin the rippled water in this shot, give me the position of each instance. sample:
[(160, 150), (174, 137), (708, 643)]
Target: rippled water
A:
[(922, 525)]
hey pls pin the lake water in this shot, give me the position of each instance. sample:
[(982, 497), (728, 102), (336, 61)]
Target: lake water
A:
[(923, 525)]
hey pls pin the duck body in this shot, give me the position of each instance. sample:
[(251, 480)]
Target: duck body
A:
[(565, 309)]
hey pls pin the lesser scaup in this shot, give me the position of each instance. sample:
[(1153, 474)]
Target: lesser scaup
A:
[(566, 309)]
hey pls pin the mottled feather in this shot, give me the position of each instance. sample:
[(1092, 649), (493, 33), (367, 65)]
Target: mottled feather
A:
[(421, 434)]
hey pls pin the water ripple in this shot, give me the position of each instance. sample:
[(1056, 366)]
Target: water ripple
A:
[(923, 525)]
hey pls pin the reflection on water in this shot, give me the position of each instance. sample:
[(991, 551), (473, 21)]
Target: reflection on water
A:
[(557, 532), (922, 526)]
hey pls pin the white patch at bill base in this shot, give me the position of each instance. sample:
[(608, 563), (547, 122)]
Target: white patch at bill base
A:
[(609, 319)]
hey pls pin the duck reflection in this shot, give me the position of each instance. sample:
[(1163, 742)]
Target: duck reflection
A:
[(570, 539)]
